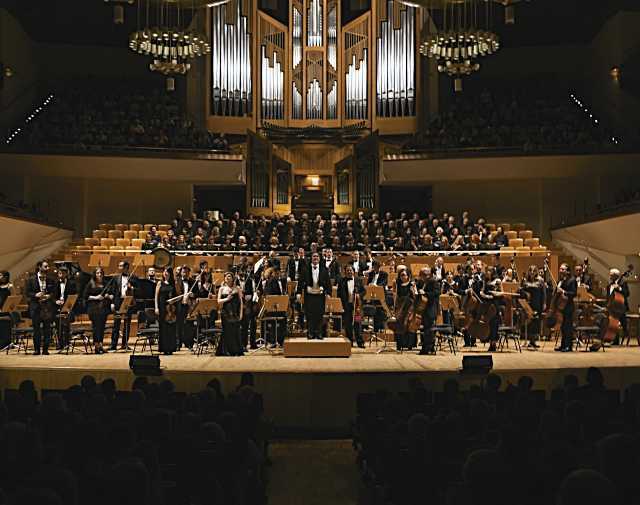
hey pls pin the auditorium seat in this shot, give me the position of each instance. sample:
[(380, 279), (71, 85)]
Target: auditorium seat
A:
[(107, 242), (130, 234), (132, 248), (164, 227), (507, 251), (162, 233), (143, 234), (523, 251), (123, 242), (83, 247), (121, 227), (516, 242), (105, 226), (91, 241), (511, 235), (115, 234), (100, 248), (115, 250), (525, 234), (147, 227), (519, 226), (505, 226), (532, 242), (539, 251), (135, 227), (99, 234), (138, 243)]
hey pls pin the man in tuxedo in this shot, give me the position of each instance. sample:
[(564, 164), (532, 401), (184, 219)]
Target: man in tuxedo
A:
[(617, 283), (358, 264), (428, 286), (349, 288), (296, 266), (64, 288), (569, 287), (317, 286), (332, 266), (583, 278), (378, 278), (39, 291), (439, 272), (275, 285), (249, 313), (122, 286)]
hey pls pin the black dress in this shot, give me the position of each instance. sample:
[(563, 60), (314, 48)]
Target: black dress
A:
[(404, 297), (230, 314), (167, 330), (5, 322), (96, 310)]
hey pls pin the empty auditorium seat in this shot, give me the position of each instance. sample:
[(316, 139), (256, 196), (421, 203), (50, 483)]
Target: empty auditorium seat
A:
[(115, 234), (147, 227), (507, 251), (83, 248), (99, 234), (138, 243), (135, 227), (164, 227), (525, 234), (519, 226), (100, 248), (532, 242), (516, 242), (511, 234), (523, 251), (114, 250), (132, 248), (123, 242), (130, 234), (539, 251), (107, 242), (91, 241), (121, 227), (143, 234), (505, 227), (105, 226)]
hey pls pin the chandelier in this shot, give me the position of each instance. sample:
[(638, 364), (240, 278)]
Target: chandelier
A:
[(163, 38), (458, 35)]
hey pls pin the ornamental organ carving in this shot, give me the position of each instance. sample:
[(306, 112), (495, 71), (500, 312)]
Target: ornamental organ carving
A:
[(308, 66)]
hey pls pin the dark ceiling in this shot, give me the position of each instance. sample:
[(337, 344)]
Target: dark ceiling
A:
[(89, 22)]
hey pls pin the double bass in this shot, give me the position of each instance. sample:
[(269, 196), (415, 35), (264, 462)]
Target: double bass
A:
[(554, 315), (616, 308), (478, 315)]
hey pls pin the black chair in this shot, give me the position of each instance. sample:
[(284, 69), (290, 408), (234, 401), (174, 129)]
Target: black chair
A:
[(445, 334), (506, 333), (19, 335), (148, 333)]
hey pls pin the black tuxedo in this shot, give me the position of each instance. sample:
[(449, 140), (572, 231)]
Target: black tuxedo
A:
[(333, 268), (348, 306), (362, 267), (116, 291), (295, 272), (41, 313), (570, 288), (383, 278), (249, 315), (314, 303), (429, 288), (64, 326)]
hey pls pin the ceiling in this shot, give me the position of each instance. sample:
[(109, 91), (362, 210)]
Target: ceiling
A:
[(89, 22)]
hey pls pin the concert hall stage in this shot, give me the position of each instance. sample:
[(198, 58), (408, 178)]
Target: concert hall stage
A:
[(318, 394)]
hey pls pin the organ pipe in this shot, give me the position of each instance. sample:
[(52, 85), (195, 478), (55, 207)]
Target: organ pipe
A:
[(272, 80), (356, 87), (395, 57), (231, 60), (314, 23)]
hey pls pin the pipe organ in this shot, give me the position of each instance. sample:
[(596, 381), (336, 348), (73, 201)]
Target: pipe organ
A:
[(308, 66)]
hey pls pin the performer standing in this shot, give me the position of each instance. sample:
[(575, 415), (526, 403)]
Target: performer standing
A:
[(165, 290), (316, 285), (122, 287), (332, 266), (403, 302), (184, 331), (97, 301), (250, 314), (64, 288), (618, 283), (427, 286), (567, 287), (39, 292), (6, 290), (350, 291), (534, 288), (230, 298), (378, 277)]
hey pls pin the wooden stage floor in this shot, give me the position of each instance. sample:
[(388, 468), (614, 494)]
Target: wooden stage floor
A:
[(320, 392)]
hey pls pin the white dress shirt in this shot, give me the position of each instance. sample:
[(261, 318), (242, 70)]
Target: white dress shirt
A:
[(350, 288)]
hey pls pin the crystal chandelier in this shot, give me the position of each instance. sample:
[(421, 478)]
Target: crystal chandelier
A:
[(458, 34), (163, 37)]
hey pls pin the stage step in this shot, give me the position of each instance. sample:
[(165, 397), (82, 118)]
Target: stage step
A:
[(332, 347)]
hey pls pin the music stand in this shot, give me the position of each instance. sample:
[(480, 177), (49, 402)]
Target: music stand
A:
[(203, 308), (273, 304), (333, 310), (374, 293), (65, 311), (292, 289)]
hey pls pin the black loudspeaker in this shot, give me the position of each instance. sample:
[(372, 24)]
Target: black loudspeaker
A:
[(144, 364), (477, 364)]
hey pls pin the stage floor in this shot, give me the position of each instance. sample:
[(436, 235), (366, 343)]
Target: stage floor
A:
[(320, 393)]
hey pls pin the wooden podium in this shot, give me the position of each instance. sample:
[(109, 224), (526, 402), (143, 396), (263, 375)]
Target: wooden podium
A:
[(332, 347)]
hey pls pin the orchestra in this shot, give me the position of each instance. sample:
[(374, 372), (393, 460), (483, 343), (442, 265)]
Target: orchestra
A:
[(540, 307)]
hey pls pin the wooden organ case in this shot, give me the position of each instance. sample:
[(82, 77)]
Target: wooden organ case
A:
[(312, 68)]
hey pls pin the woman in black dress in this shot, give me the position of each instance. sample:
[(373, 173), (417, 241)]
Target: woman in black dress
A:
[(97, 302), (165, 289), (404, 300), (230, 298), (6, 290)]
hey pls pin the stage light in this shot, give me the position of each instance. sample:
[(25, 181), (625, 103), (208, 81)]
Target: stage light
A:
[(615, 73)]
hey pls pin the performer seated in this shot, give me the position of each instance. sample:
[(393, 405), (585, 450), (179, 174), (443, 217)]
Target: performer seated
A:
[(350, 292), (64, 288), (567, 287), (316, 285)]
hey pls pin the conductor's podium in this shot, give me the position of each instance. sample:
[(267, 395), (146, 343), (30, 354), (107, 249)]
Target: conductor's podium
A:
[(332, 347)]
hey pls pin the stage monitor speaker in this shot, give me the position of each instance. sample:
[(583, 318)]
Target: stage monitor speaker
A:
[(477, 364), (144, 364)]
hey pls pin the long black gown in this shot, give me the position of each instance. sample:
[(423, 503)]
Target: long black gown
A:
[(230, 315), (167, 331), (404, 338)]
